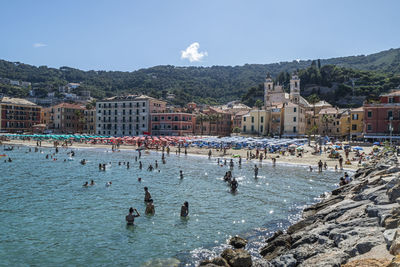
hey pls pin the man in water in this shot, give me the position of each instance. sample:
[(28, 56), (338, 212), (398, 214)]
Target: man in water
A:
[(255, 171), (341, 162), (185, 209), (150, 208), (181, 174), (92, 182), (231, 164), (320, 164), (140, 165), (147, 195), (130, 218), (150, 168), (234, 185), (209, 153)]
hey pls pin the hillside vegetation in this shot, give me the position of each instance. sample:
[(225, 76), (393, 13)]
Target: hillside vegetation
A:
[(216, 84)]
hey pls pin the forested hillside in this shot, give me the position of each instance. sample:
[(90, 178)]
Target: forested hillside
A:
[(217, 84)]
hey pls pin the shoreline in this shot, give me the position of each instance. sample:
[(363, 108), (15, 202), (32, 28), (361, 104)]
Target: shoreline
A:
[(307, 160)]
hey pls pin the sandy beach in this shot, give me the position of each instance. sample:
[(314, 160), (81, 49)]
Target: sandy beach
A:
[(307, 159)]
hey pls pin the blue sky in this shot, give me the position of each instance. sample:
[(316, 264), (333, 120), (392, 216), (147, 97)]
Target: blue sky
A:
[(129, 35)]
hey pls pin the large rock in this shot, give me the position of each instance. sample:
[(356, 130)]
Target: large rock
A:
[(395, 247), (237, 242), (242, 259), (276, 247), (228, 254), (394, 193), (287, 260)]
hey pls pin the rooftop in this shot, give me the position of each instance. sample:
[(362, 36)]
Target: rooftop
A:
[(16, 101)]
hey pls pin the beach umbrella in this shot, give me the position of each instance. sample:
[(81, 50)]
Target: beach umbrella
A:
[(358, 148), (376, 143)]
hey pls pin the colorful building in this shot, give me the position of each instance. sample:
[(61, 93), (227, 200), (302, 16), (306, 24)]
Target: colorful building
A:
[(382, 120), (90, 121), (255, 122), (18, 115), (356, 123), (172, 124), (213, 121), (67, 118), (294, 120)]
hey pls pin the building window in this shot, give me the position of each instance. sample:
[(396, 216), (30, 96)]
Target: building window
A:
[(244, 128), (252, 119), (262, 119), (252, 128), (294, 119), (354, 117), (294, 109), (369, 127), (390, 114), (354, 127), (369, 114), (390, 99), (244, 118), (294, 129)]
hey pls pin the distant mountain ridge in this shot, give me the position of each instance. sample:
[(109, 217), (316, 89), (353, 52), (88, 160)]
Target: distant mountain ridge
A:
[(216, 84)]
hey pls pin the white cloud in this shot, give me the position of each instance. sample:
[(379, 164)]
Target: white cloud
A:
[(37, 45), (192, 53)]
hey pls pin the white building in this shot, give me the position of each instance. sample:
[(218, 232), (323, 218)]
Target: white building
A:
[(126, 115), (294, 109)]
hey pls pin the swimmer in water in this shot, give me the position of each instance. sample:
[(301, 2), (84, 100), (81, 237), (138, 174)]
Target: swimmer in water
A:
[(234, 185), (150, 208), (150, 168), (92, 183), (139, 179), (147, 195), (130, 218), (86, 184), (255, 171), (185, 209), (181, 174), (108, 184)]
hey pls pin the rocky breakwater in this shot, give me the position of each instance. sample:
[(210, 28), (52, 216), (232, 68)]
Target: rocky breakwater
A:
[(356, 225)]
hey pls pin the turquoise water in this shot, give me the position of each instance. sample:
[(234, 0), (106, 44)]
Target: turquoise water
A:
[(48, 219)]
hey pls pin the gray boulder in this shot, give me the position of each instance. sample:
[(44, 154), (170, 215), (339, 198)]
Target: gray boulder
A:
[(237, 242)]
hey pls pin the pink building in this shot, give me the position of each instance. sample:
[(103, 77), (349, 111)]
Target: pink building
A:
[(172, 124)]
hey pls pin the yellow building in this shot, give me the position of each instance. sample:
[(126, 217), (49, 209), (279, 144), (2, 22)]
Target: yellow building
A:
[(334, 122), (356, 123), (255, 122)]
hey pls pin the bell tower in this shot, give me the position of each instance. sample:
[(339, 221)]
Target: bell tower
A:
[(268, 88), (295, 89)]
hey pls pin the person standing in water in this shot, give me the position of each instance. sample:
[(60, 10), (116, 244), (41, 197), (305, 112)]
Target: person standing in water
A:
[(255, 171), (130, 218), (140, 165), (150, 210), (320, 164), (147, 195), (185, 209), (209, 153), (181, 174)]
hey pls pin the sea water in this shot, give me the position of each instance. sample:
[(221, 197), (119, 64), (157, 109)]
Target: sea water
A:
[(48, 219)]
